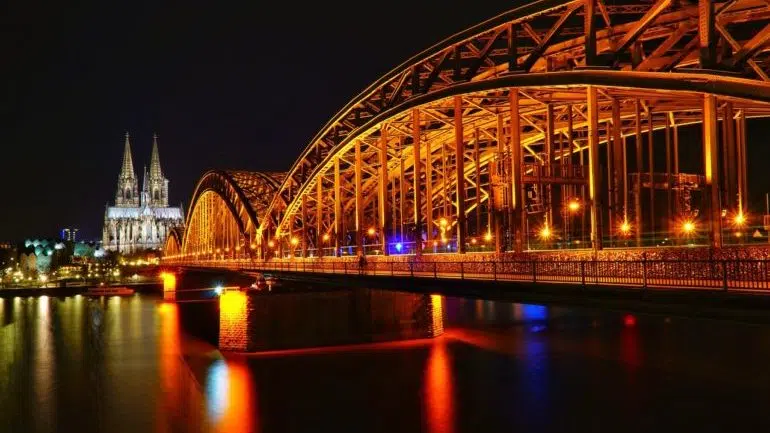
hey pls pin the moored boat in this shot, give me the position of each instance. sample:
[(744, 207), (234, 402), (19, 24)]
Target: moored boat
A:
[(109, 291)]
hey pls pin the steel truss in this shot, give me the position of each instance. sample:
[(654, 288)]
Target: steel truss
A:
[(499, 127)]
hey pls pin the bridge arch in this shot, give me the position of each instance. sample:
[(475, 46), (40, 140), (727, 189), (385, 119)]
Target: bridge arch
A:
[(532, 93), (225, 212)]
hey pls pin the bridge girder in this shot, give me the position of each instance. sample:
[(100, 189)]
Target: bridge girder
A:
[(228, 198)]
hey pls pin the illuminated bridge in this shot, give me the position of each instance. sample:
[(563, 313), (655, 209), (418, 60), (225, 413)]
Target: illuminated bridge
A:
[(558, 132)]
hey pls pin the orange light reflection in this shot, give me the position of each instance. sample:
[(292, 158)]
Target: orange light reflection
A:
[(232, 396)]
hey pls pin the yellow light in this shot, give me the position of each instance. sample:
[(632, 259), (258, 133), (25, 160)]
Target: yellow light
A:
[(238, 248), (294, 241), (270, 244), (473, 241), (545, 232), (169, 281), (573, 205), (371, 231), (326, 236), (253, 246), (435, 243), (219, 250), (739, 219), (625, 228), (443, 222), (488, 237), (738, 234), (688, 227)]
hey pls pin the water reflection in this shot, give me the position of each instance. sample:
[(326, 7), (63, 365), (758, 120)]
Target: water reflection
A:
[(231, 399), (439, 398), (127, 365)]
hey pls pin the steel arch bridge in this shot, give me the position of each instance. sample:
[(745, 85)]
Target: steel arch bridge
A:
[(558, 120)]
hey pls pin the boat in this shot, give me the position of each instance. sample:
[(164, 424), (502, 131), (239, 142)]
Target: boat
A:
[(109, 291), (260, 283)]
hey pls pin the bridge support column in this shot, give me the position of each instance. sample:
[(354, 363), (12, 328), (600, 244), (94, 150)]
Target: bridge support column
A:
[(428, 195), (416, 183), (593, 164), (741, 161), (359, 200), (304, 226), (618, 165), (460, 174), (319, 216), (651, 163), (711, 168), (517, 186), (382, 190), (337, 208), (639, 169)]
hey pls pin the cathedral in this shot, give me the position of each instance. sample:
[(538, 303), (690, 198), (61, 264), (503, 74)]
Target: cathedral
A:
[(140, 220)]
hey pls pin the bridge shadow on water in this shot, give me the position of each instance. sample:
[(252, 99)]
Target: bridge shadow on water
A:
[(296, 315)]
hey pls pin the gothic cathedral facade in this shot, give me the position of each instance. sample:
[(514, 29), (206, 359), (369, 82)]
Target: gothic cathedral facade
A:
[(140, 220)]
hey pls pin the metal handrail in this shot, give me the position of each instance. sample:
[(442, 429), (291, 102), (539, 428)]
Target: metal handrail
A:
[(721, 274)]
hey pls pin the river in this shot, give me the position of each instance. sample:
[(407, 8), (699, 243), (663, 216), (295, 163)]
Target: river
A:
[(77, 364)]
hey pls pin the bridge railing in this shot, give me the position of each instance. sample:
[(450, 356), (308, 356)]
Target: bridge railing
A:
[(741, 275)]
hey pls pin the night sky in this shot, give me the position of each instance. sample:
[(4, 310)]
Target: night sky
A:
[(225, 85)]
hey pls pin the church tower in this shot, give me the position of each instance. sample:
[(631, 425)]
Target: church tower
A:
[(158, 185), (127, 194), (141, 218)]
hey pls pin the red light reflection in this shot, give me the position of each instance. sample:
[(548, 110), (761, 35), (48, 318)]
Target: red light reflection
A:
[(439, 398)]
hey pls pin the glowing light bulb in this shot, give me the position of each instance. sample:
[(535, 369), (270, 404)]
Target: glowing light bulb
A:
[(688, 227), (625, 228), (545, 232)]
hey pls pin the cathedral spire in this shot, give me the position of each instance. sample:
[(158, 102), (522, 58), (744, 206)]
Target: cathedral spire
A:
[(155, 170), (127, 170)]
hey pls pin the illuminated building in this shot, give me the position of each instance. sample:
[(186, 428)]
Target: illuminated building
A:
[(69, 234), (140, 221)]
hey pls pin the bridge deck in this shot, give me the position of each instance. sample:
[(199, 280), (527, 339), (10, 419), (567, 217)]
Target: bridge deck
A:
[(749, 276)]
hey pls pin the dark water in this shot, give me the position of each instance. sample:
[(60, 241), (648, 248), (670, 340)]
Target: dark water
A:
[(124, 365)]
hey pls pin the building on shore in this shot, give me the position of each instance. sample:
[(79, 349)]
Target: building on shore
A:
[(140, 220)]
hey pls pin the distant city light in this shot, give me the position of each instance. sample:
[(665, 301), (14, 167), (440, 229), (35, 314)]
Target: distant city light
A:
[(399, 246)]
